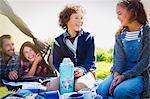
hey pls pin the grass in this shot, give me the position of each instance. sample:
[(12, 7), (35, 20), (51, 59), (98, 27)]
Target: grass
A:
[(102, 71)]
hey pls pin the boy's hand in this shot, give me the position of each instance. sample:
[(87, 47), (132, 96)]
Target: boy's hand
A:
[(78, 72)]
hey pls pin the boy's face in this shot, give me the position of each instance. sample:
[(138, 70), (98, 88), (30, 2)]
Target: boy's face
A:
[(76, 21), (8, 47)]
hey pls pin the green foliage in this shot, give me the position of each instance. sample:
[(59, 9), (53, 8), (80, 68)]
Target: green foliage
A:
[(51, 42), (103, 69), (4, 92), (104, 55)]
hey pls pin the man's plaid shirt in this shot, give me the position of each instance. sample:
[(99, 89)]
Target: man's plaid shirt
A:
[(13, 64)]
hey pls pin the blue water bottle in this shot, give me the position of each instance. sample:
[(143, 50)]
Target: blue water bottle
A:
[(66, 76)]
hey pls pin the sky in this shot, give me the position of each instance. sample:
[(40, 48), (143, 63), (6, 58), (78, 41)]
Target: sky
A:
[(41, 16)]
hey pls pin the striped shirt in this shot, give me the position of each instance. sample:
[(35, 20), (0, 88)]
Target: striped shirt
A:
[(132, 35)]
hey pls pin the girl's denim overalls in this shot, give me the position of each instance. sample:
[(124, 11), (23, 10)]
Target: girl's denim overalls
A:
[(130, 88)]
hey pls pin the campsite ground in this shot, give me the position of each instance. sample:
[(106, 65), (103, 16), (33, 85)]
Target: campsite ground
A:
[(101, 72)]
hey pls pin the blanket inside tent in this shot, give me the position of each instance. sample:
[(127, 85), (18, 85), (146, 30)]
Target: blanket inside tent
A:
[(8, 16)]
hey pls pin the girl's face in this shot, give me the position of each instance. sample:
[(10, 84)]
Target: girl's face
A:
[(123, 15), (29, 54), (75, 23)]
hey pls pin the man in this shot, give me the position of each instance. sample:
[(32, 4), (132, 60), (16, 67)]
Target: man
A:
[(9, 61)]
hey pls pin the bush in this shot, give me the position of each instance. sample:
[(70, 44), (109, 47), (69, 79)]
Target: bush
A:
[(104, 55), (103, 69)]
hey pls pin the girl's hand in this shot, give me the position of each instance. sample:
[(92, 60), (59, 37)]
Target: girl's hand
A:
[(112, 87), (117, 80), (38, 58), (116, 74)]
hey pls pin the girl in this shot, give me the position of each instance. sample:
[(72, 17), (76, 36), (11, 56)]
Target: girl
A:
[(32, 63), (131, 53)]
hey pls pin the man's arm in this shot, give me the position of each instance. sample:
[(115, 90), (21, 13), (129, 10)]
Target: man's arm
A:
[(14, 68)]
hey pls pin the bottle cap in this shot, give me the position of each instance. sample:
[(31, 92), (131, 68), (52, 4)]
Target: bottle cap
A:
[(67, 61)]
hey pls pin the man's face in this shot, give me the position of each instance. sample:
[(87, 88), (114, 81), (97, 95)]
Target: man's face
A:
[(8, 47)]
